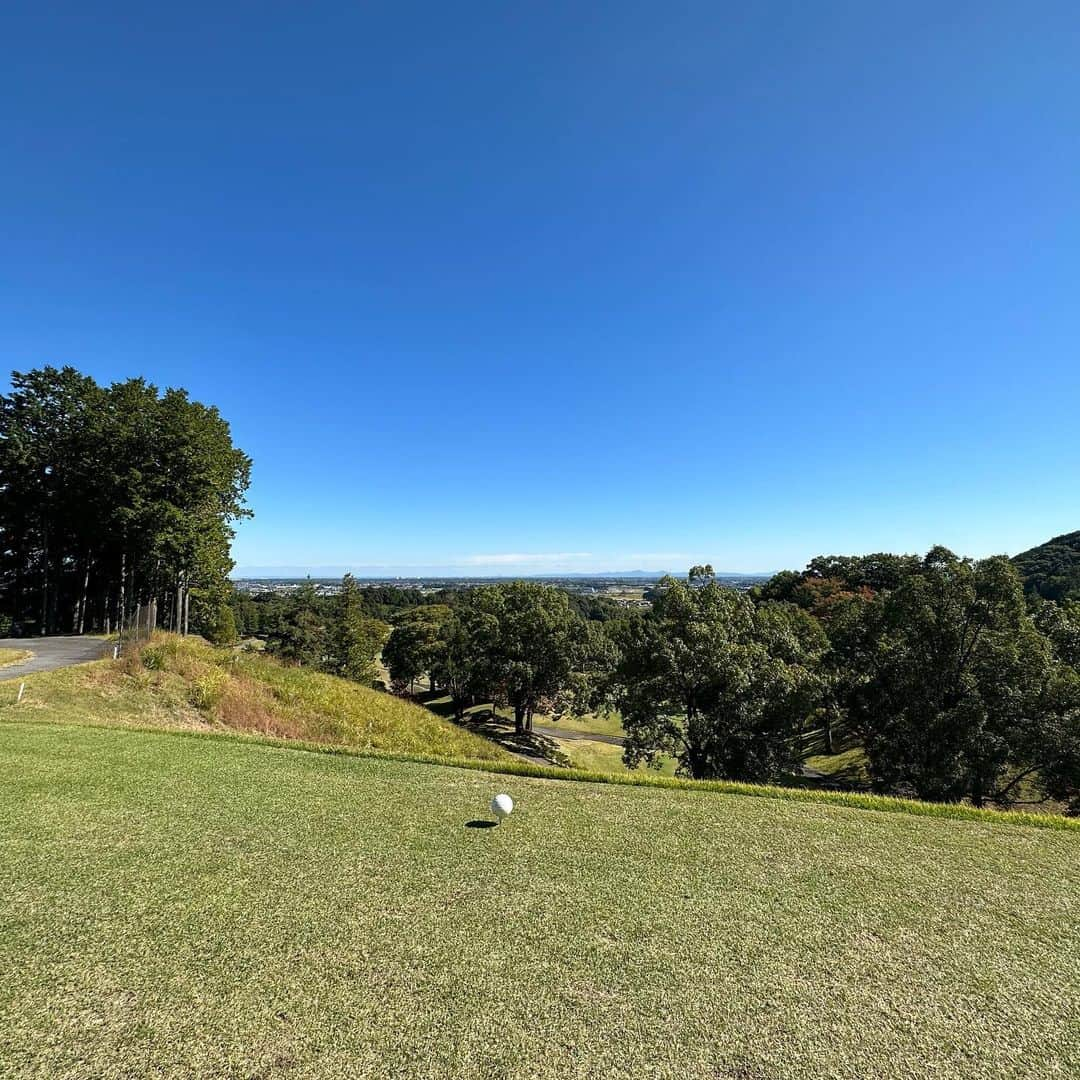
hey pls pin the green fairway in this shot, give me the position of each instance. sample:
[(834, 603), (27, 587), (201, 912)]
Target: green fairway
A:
[(175, 906)]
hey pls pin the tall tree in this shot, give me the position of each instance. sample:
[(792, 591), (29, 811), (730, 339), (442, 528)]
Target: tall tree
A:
[(353, 640), (529, 647), (110, 498), (964, 697), (412, 648), (721, 685)]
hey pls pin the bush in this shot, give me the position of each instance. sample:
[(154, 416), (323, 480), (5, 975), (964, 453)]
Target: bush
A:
[(206, 689), (223, 629)]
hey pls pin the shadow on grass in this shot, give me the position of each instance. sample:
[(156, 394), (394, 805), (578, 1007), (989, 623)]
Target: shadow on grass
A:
[(482, 720), (480, 823)]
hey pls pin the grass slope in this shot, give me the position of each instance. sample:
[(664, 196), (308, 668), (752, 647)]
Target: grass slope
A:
[(13, 656), (185, 683), (196, 907)]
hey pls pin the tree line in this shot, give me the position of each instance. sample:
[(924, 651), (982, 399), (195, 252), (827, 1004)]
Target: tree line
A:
[(953, 683), (117, 506), (956, 679)]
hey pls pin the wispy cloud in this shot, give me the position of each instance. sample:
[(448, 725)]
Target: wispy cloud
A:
[(527, 558)]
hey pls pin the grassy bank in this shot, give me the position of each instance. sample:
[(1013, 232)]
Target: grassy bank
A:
[(8, 657), (187, 684), (194, 907)]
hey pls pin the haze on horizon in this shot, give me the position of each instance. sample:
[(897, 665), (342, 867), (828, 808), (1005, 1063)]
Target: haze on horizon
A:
[(525, 291)]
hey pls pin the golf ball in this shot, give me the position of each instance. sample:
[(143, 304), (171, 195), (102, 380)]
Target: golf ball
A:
[(502, 805)]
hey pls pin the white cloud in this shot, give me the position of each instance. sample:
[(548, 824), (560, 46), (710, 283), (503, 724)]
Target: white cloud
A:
[(515, 558)]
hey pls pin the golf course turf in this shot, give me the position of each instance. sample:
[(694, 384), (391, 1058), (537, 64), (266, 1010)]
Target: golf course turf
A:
[(197, 907)]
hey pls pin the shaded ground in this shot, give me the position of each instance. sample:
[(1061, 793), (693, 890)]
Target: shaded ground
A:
[(50, 653), (536, 747)]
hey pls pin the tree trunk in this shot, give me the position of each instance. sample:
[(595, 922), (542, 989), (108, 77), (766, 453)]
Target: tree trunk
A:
[(977, 797), (122, 599), (82, 595), (826, 729), (44, 628), (519, 719)]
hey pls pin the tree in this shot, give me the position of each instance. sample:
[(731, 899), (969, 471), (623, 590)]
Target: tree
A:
[(223, 630), (111, 498), (1061, 624), (411, 650), (718, 683), (455, 663), (530, 650), (299, 636), (353, 640), (1052, 570), (964, 697)]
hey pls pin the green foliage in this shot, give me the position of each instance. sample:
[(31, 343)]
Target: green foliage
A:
[(964, 698), (299, 636), (413, 646), (222, 630), (718, 683), (529, 650), (880, 572), (1061, 625), (353, 640), (112, 497), (1052, 570)]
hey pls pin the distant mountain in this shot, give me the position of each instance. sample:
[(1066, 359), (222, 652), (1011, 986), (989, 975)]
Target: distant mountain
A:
[(1052, 569)]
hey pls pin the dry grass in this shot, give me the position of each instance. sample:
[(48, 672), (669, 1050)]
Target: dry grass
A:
[(13, 656), (184, 683)]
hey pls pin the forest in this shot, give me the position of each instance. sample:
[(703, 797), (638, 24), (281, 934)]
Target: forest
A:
[(117, 506)]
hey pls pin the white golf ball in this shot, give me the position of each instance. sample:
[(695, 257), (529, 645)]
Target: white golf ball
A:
[(502, 806)]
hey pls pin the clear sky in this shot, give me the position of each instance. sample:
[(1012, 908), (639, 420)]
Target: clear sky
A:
[(570, 285)]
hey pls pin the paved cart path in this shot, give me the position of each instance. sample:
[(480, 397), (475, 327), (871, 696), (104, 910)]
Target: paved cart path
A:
[(52, 652)]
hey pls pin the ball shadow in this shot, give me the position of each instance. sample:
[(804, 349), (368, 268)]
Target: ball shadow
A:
[(479, 823)]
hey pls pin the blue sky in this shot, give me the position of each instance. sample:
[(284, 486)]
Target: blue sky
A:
[(504, 287)]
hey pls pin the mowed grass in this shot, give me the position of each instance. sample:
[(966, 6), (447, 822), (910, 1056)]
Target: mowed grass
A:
[(849, 765), (13, 656), (201, 907), (595, 756), (186, 683)]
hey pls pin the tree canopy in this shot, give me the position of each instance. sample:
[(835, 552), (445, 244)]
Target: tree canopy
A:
[(717, 682), (112, 500), (964, 698), (1052, 570)]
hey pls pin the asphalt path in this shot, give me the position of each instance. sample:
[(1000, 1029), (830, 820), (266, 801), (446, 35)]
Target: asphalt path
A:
[(51, 653)]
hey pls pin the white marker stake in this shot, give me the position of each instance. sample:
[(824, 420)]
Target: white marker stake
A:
[(502, 806), (22, 687)]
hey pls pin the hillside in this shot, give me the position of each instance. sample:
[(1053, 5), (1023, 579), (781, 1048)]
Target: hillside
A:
[(185, 683), (193, 907), (1052, 569)]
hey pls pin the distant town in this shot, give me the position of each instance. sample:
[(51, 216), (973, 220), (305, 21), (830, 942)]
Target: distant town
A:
[(629, 590)]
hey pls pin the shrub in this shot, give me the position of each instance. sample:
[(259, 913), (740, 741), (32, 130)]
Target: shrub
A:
[(206, 689)]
